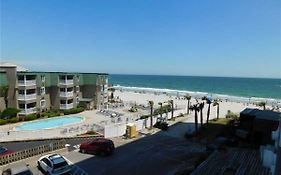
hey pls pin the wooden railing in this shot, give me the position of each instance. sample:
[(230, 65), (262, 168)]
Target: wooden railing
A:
[(31, 152)]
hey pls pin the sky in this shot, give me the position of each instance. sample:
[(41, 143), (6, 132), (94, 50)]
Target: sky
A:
[(236, 38)]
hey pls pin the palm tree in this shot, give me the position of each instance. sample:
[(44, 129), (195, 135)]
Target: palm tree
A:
[(196, 109), (216, 103), (151, 103), (4, 93), (262, 104), (188, 98), (171, 102), (112, 92), (161, 110), (209, 102), (201, 106)]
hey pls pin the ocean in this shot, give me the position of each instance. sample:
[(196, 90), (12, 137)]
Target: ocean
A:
[(259, 88)]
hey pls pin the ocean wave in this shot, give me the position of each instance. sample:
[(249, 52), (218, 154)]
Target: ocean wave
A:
[(198, 94)]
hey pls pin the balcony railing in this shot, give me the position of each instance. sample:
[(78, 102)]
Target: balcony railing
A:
[(27, 97), (66, 106), (28, 111), (27, 82), (66, 82), (66, 94)]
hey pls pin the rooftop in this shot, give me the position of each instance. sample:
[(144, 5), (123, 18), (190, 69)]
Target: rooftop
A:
[(10, 64), (262, 114)]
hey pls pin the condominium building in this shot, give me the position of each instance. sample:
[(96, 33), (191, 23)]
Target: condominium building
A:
[(34, 91)]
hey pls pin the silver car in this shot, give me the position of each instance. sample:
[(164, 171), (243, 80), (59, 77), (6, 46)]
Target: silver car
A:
[(20, 169)]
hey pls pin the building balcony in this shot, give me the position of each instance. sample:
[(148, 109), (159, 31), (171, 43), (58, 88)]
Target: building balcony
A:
[(66, 82), (27, 111), (66, 94), (66, 106), (26, 97), (26, 82)]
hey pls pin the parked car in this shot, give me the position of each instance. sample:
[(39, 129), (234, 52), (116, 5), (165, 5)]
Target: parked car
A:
[(100, 146), (54, 164), (20, 169), (220, 143), (4, 151)]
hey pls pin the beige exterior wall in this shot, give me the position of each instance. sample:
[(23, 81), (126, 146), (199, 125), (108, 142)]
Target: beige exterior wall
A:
[(2, 104)]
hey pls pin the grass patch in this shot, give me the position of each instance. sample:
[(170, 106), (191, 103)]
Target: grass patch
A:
[(215, 128)]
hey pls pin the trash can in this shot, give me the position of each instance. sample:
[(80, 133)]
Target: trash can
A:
[(131, 130)]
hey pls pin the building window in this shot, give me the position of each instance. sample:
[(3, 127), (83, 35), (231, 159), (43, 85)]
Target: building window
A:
[(42, 90), (42, 78), (77, 88), (43, 103), (77, 100)]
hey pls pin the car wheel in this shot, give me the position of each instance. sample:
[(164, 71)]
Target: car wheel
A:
[(83, 151), (38, 165)]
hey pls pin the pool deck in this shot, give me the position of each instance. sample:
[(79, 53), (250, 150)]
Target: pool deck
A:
[(9, 133)]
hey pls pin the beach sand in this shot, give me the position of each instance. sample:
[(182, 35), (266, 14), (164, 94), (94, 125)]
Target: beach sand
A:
[(180, 104)]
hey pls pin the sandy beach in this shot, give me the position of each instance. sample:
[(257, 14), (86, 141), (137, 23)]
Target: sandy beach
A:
[(180, 104)]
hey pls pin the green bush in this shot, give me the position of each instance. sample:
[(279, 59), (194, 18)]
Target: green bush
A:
[(73, 111), (52, 113), (3, 122), (9, 113), (14, 120), (232, 115), (145, 116), (133, 109), (30, 117)]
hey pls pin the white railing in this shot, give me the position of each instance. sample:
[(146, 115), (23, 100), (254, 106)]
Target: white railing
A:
[(66, 106), (27, 96), (27, 82), (28, 111), (66, 94), (66, 82)]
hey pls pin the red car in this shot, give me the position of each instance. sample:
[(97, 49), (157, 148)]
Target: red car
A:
[(4, 151), (100, 146)]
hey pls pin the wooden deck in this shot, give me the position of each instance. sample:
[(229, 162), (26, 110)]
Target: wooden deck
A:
[(234, 161)]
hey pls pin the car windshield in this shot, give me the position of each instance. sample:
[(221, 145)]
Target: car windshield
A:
[(25, 173), (2, 150), (60, 165)]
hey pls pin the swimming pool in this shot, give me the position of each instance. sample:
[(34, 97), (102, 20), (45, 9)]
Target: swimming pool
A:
[(49, 123)]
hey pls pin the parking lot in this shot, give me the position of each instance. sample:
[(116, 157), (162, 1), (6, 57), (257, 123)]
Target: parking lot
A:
[(160, 153)]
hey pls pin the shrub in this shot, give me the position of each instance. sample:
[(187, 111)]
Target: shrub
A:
[(73, 111), (3, 122), (9, 113), (133, 109), (144, 116), (30, 117), (232, 115), (14, 120)]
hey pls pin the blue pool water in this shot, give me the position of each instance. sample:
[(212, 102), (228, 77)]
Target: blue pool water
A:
[(49, 123)]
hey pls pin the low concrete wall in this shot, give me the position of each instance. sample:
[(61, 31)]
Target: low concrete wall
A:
[(120, 129)]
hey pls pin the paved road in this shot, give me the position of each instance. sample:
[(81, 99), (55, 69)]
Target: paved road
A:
[(156, 155)]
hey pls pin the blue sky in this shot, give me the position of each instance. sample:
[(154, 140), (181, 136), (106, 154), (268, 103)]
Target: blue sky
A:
[(181, 37)]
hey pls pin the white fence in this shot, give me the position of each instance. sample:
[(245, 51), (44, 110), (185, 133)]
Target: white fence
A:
[(119, 129)]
